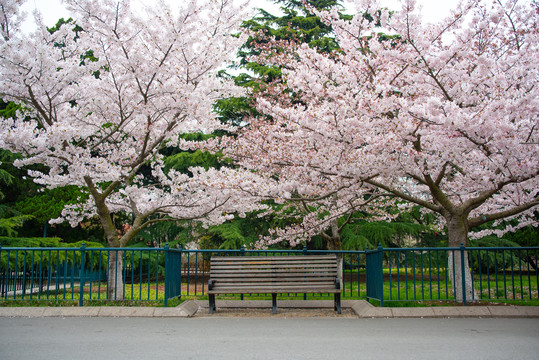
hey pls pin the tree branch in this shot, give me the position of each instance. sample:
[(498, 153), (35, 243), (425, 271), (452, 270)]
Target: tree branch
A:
[(480, 220)]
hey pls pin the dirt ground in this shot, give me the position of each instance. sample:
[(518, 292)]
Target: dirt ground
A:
[(281, 313)]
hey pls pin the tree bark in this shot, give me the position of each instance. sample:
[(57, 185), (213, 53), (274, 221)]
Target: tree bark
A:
[(115, 282), (334, 243), (458, 234)]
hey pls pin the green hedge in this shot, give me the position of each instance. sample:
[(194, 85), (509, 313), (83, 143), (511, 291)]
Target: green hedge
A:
[(7, 241), (30, 242)]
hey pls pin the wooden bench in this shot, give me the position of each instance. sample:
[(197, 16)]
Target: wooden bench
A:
[(274, 275)]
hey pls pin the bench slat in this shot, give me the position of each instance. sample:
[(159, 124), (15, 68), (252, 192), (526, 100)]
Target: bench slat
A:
[(248, 260), (275, 283), (265, 277), (276, 290), (271, 266), (278, 258)]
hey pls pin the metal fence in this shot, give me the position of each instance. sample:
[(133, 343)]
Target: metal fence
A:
[(425, 274), (81, 274), (196, 269), (160, 274)]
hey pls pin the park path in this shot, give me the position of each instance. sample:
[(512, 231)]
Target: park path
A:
[(267, 338)]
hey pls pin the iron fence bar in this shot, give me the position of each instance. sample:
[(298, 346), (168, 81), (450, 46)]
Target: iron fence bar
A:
[(422, 277), (168, 265), (73, 276), (446, 261), (149, 272), (49, 275), (57, 268), (6, 281), (81, 274), (92, 276), (16, 273), (124, 271), (469, 263), (430, 273), (140, 274), (358, 276), (203, 273), (488, 273), (99, 283), (496, 273), (32, 274), (24, 275), (188, 271), (398, 278), (513, 276), (504, 276), (406, 274), (528, 260), (454, 282), (351, 280), (413, 274), (390, 284), (520, 274), (132, 273), (536, 275), (438, 273), (157, 275), (108, 276), (196, 273), (462, 269)]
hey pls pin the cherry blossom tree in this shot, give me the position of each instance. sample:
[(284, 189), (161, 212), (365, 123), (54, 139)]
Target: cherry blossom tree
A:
[(441, 115), (100, 104)]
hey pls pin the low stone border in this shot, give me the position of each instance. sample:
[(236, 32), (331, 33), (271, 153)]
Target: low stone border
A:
[(361, 308)]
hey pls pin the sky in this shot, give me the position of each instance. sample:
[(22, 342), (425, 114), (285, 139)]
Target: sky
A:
[(52, 10)]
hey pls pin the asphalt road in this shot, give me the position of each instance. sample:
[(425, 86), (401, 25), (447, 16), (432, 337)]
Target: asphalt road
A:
[(267, 338)]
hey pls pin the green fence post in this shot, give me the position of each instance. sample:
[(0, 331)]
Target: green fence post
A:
[(462, 269), (81, 273), (181, 257), (167, 274), (381, 267)]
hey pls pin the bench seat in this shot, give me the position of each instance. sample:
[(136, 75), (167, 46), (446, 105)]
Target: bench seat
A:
[(274, 275)]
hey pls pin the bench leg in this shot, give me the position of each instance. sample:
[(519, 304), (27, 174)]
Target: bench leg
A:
[(337, 306), (212, 303), (274, 302)]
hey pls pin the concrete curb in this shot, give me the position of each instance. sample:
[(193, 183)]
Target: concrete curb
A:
[(361, 308), (185, 309), (365, 310)]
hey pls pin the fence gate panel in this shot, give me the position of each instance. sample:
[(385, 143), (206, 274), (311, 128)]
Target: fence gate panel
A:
[(173, 274), (375, 275)]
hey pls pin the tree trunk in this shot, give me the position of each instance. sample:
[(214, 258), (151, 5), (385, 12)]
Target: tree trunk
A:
[(115, 280), (458, 234), (334, 243)]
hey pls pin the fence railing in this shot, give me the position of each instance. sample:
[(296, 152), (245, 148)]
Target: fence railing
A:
[(426, 274), (196, 269), (159, 274), (82, 274)]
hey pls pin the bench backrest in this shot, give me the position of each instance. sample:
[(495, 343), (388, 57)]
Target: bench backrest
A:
[(315, 273)]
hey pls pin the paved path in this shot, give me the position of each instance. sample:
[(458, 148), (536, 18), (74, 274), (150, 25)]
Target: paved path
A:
[(267, 338)]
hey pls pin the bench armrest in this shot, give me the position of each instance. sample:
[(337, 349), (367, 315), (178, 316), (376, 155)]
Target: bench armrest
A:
[(337, 283), (211, 282)]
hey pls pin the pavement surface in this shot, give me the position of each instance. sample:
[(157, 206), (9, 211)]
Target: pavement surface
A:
[(271, 338), (286, 308)]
